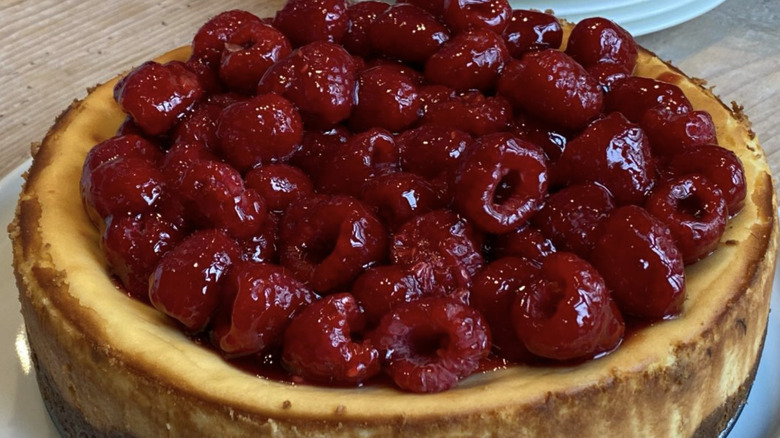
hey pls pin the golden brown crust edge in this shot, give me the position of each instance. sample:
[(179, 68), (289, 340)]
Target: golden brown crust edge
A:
[(69, 344)]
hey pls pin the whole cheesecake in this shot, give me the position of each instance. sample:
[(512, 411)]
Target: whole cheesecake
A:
[(109, 365)]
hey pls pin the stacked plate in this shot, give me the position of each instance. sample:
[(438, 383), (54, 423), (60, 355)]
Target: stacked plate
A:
[(638, 16)]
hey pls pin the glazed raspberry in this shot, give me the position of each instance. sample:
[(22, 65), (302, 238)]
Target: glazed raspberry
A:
[(552, 141), (430, 344), (327, 241), (463, 15), (186, 283), (381, 288), (384, 98), (470, 60), (263, 247), (400, 196), (695, 212), (199, 126), (210, 39), (129, 145), (614, 153), (319, 343), (319, 78), (599, 40), (361, 15), (279, 184), (571, 216), (307, 21), (526, 241), (469, 111), (640, 263), (555, 88), (494, 290), (319, 147), (567, 313), (207, 76), (133, 245), (407, 32), (180, 156), (434, 7), (672, 133), (444, 243), (258, 300), (264, 129), (634, 96), (719, 165), (125, 185), (607, 74), (532, 30), (217, 193), (157, 95), (248, 53), (501, 183), (365, 156)]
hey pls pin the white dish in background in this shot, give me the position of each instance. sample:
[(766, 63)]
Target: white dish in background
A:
[(638, 16), (22, 414)]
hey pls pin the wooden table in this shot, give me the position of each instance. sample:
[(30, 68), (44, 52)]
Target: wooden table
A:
[(51, 51)]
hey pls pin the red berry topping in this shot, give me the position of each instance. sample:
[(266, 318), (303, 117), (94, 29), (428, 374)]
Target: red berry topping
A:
[(326, 241), (501, 183), (445, 244), (434, 7), (469, 111), (263, 246), (614, 153), (552, 141), (157, 95), (384, 98), (307, 21), (430, 344), (279, 184), (571, 216), (217, 193), (494, 290), (186, 283), (634, 96), (260, 299), (463, 15), (123, 186), (180, 156), (720, 166), (567, 313), (408, 33), (319, 147), (553, 87), (695, 212), (641, 264), (249, 52), (400, 196), (365, 156), (319, 78), (361, 16), (130, 145), (672, 133), (532, 30), (607, 74), (199, 126), (133, 245), (210, 39), (319, 343), (264, 129), (470, 60), (381, 288), (527, 242), (599, 40)]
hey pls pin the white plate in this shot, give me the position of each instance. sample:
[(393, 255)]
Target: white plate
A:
[(638, 16), (22, 414)]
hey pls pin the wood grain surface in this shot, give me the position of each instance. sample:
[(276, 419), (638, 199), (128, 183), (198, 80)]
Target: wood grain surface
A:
[(52, 51)]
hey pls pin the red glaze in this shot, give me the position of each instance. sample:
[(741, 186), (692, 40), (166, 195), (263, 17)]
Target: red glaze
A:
[(361, 16), (501, 183), (248, 53), (186, 283), (695, 212), (673, 133), (126, 185), (637, 256), (199, 127), (327, 241), (428, 345), (384, 98), (381, 288), (408, 33), (599, 40), (526, 241), (464, 15), (555, 89), (319, 345), (325, 20), (318, 147), (367, 155), (567, 313), (470, 60), (279, 184), (121, 146), (532, 30), (634, 96), (614, 153), (551, 141), (400, 196), (263, 247), (469, 111)]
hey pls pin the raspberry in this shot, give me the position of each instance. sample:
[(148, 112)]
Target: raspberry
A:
[(248, 53), (463, 15), (279, 184), (526, 241), (325, 20), (209, 41), (407, 32), (361, 16), (470, 60), (599, 40), (384, 98), (381, 288), (532, 30), (400, 196)]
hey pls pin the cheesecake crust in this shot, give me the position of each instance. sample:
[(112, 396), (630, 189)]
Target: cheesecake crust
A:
[(109, 366)]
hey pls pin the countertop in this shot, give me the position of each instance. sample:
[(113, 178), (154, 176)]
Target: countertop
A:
[(51, 51)]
